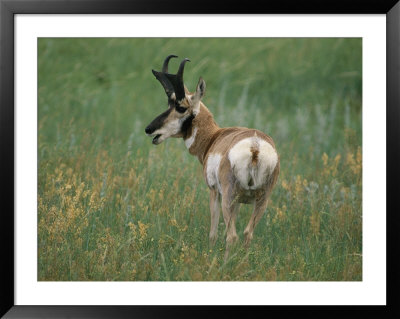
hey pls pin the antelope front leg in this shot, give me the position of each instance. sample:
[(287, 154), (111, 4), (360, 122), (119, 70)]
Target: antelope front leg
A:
[(259, 208), (229, 210), (215, 209)]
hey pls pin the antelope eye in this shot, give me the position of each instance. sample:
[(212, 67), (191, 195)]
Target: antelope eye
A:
[(180, 109)]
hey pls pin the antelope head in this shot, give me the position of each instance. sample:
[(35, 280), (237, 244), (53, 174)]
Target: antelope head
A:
[(183, 106)]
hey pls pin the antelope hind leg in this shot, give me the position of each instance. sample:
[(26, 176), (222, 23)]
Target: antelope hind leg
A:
[(215, 211), (230, 211), (259, 209)]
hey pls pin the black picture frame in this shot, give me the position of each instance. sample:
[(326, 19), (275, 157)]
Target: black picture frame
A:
[(8, 10)]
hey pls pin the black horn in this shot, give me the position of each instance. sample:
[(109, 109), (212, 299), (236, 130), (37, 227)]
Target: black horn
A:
[(163, 78), (181, 67), (165, 65), (180, 90), (165, 82), (172, 83)]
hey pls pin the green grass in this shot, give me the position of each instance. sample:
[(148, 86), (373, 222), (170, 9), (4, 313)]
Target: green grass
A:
[(112, 206)]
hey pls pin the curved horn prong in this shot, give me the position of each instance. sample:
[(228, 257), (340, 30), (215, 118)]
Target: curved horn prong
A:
[(181, 67), (166, 61), (180, 90)]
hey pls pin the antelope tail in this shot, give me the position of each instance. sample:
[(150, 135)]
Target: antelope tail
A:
[(255, 150)]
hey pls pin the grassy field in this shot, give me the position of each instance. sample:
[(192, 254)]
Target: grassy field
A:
[(112, 206)]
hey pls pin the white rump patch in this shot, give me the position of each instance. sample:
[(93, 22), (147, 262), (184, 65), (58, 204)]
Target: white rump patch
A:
[(249, 175), (212, 169), (189, 141)]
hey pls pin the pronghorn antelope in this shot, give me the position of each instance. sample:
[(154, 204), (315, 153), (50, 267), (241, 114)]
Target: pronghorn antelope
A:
[(240, 165)]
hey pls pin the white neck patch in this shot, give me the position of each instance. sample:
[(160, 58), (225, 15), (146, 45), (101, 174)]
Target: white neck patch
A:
[(189, 141)]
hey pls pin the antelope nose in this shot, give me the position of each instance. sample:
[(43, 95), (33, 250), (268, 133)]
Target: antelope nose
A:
[(148, 130)]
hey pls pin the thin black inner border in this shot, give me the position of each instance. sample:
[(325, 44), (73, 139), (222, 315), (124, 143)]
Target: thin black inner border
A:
[(7, 11)]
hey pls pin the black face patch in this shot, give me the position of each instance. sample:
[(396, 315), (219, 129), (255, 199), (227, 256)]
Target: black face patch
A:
[(158, 122), (180, 109), (176, 105), (186, 125)]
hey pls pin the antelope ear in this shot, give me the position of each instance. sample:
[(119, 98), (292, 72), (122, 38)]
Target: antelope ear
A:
[(200, 89), (198, 95)]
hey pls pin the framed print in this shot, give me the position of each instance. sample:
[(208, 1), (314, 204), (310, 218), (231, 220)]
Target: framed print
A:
[(110, 214)]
